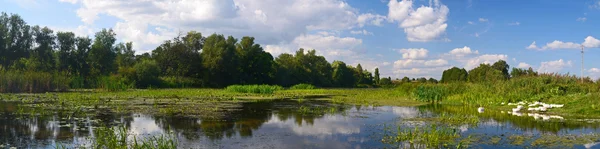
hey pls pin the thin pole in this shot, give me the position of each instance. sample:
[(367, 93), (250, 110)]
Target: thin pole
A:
[(581, 63)]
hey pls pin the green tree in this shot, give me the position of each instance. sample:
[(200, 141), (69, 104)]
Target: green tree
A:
[(405, 80), (66, 51), (146, 73), (358, 73), (220, 61), (454, 74), (16, 40), (432, 80), (125, 55), (80, 56), (422, 80), (377, 76), (503, 67), (485, 73), (44, 53), (385, 81), (342, 75), (255, 65), (102, 56)]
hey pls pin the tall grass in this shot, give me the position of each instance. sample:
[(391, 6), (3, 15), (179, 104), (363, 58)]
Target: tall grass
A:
[(261, 89), (114, 83), (303, 86), (13, 81), (423, 137), (116, 138)]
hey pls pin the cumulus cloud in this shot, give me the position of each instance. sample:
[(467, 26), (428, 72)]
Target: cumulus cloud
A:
[(426, 72), (532, 46), (423, 24), (561, 45), (332, 47), (471, 22), (412, 63), (372, 19), (262, 19), (484, 59), (523, 65), (69, 1), (594, 70), (462, 52), (591, 42), (363, 32), (554, 66), (414, 53), (483, 20)]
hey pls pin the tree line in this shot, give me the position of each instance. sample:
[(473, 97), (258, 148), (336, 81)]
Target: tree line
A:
[(498, 71), (189, 60)]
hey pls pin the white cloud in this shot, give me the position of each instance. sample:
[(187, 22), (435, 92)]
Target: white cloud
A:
[(363, 32), (581, 19), (554, 66), (523, 65), (594, 70), (414, 53), (372, 19), (595, 5), (594, 73), (426, 23), (561, 45), (81, 30), (435, 72), (332, 47), (69, 1), (462, 52), (261, 19), (412, 63), (514, 23), (591, 42), (471, 22), (533, 46), (483, 20), (484, 59)]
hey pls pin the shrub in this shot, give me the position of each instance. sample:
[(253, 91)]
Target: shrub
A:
[(261, 89), (303, 86), (146, 73)]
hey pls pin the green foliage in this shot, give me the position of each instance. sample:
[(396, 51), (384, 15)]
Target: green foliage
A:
[(385, 82), (179, 82), (376, 79), (454, 74), (303, 86), (342, 75), (114, 83), (14, 81), (260, 89), (117, 138), (518, 72), (146, 74), (102, 55), (485, 73), (429, 93), (503, 67)]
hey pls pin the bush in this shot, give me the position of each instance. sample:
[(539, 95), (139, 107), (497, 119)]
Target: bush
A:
[(179, 82), (303, 86), (146, 73), (14, 81), (261, 89)]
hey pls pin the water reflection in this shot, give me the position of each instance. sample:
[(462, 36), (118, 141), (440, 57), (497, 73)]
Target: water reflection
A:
[(280, 124)]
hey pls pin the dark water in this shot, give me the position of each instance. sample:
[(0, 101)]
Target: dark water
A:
[(280, 124)]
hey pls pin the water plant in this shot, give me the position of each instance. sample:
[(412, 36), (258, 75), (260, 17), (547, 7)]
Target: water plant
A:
[(260, 89), (303, 86)]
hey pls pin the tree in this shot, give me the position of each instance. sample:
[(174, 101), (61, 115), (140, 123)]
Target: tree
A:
[(432, 80), (219, 59), (80, 56), (101, 57), (385, 81), (125, 55), (485, 73), (359, 74), (518, 72), (377, 76), (405, 80), (503, 67), (16, 38), (454, 74), (45, 41), (422, 80), (66, 51), (146, 73), (342, 75), (256, 65)]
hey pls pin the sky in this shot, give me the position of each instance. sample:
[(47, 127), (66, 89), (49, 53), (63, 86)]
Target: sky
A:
[(418, 38)]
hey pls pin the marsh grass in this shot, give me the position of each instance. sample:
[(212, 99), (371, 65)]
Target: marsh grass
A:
[(430, 136), (117, 138), (259, 89), (303, 87), (14, 81)]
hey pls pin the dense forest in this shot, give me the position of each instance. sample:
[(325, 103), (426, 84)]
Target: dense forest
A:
[(36, 59)]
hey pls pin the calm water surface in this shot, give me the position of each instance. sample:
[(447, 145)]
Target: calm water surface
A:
[(279, 124)]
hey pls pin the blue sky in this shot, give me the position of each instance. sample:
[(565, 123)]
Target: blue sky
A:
[(419, 38)]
